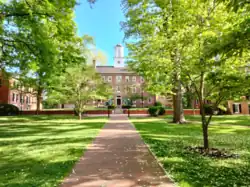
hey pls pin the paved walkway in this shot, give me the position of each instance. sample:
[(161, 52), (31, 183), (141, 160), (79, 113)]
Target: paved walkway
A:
[(117, 158)]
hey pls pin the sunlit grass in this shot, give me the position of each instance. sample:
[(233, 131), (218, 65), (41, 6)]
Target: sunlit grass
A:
[(168, 142), (223, 119), (41, 150)]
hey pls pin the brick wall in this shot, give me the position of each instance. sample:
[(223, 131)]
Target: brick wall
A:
[(244, 105), (101, 112), (4, 90)]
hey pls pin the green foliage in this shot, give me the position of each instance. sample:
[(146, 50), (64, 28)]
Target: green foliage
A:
[(79, 85), (168, 142), (8, 110), (111, 106), (39, 40), (203, 44), (153, 111), (157, 103), (161, 110), (126, 106), (209, 110)]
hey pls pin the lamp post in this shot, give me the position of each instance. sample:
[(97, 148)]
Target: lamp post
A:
[(108, 112), (128, 107), (142, 99)]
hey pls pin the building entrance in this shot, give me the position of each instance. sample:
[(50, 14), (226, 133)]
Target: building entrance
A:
[(118, 102)]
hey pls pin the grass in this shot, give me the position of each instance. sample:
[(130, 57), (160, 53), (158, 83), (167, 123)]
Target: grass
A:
[(224, 119), (40, 151), (168, 142)]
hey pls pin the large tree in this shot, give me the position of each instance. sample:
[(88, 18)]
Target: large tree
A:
[(39, 39), (216, 77), (177, 40), (156, 50)]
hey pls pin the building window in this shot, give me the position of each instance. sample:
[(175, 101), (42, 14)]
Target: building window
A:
[(126, 89), (127, 78), (149, 100), (133, 89), (118, 89), (118, 78), (118, 62), (134, 78), (236, 108), (27, 100), (139, 90), (16, 97), (13, 97), (104, 78), (142, 79), (109, 78), (0, 82), (21, 99)]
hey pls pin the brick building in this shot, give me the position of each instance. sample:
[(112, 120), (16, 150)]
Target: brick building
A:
[(242, 106), (21, 97), (125, 84)]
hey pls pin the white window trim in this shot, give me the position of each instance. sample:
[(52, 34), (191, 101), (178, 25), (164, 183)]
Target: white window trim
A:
[(127, 78), (134, 89), (117, 89), (134, 78), (119, 78), (238, 108), (109, 78)]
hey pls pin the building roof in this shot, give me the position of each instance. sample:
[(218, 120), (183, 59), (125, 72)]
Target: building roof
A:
[(112, 69)]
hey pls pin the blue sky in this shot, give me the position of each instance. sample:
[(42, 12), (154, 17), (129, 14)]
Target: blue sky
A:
[(102, 22)]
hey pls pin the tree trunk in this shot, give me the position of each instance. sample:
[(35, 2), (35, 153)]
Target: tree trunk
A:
[(203, 114), (80, 115), (178, 116), (39, 99), (204, 128)]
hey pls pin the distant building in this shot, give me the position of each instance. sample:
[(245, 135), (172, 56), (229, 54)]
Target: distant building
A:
[(125, 84), (20, 97), (242, 106)]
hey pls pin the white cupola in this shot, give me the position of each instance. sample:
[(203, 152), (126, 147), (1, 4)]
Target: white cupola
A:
[(119, 56)]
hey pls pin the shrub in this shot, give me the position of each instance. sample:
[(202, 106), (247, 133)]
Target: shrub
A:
[(126, 106), (8, 110), (111, 106), (153, 111), (157, 103), (161, 110), (209, 110)]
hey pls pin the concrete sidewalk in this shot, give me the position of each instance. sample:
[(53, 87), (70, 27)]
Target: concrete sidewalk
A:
[(117, 158)]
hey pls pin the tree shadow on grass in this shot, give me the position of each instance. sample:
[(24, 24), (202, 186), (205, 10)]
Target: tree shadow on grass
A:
[(192, 168), (39, 152), (25, 169)]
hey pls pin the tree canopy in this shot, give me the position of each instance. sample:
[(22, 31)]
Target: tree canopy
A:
[(204, 43)]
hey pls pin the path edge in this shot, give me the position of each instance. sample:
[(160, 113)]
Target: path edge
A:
[(83, 152), (151, 152)]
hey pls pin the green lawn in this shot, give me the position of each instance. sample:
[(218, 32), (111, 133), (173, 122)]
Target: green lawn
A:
[(168, 141), (225, 120), (40, 151)]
